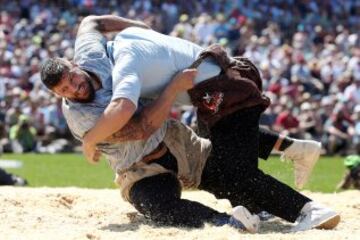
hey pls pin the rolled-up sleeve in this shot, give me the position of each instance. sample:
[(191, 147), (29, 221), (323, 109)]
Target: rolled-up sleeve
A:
[(126, 81)]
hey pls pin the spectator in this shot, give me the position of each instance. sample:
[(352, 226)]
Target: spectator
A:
[(288, 124), (352, 92), (23, 136), (338, 128), (309, 123), (356, 138), (303, 51), (352, 177)]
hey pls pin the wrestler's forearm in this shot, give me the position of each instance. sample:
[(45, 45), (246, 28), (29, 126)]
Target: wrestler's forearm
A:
[(155, 114), (114, 118), (134, 130), (107, 23), (148, 120), (141, 127)]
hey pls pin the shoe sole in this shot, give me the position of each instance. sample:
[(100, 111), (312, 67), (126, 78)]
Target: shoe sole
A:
[(244, 216), (315, 156), (329, 223)]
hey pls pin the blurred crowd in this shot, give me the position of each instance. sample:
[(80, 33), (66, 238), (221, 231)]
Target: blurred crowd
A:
[(308, 53)]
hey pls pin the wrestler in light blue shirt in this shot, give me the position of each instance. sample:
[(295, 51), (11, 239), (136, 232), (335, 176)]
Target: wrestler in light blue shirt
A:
[(91, 55), (138, 63)]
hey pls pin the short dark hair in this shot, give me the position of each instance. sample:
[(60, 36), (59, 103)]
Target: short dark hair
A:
[(52, 71)]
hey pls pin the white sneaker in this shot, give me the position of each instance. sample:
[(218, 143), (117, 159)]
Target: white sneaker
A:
[(304, 154), (250, 222), (314, 215)]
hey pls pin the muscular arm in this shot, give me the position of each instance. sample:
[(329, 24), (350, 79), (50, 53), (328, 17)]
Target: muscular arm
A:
[(106, 24), (119, 112), (135, 129), (142, 125), (114, 118)]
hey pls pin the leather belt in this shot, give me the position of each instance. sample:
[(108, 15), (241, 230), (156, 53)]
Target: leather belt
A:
[(156, 154)]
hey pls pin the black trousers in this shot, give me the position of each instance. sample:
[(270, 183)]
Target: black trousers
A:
[(159, 198), (267, 140), (231, 172)]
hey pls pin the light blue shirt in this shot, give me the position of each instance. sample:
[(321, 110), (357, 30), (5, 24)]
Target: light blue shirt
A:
[(91, 55), (145, 61), (138, 63)]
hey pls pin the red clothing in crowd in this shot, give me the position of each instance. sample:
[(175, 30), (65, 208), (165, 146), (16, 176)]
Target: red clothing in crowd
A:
[(287, 120)]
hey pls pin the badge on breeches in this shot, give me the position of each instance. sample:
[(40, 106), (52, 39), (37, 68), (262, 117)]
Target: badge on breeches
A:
[(212, 101)]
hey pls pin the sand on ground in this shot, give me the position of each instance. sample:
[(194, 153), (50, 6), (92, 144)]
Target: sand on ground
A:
[(76, 213)]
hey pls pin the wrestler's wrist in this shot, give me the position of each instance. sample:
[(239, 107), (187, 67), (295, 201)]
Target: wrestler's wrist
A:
[(89, 140), (173, 89)]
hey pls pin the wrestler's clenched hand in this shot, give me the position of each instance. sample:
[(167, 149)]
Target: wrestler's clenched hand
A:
[(91, 152)]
